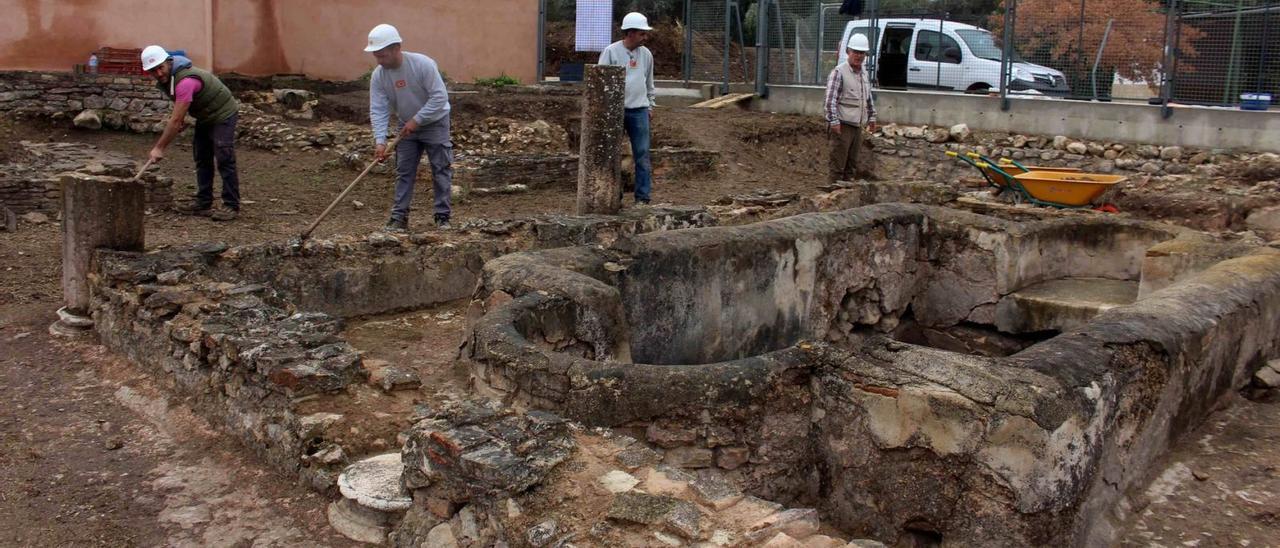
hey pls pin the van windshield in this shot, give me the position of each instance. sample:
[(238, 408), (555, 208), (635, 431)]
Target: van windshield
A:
[(983, 44)]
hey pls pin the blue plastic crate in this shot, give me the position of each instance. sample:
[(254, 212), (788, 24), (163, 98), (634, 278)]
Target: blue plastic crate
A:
[(1255, 101), (571, 72)]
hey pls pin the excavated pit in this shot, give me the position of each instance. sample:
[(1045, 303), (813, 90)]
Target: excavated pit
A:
[(915, 372), (787, 354)]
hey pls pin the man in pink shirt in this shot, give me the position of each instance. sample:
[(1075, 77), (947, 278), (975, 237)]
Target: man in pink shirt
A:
[(203, 96)]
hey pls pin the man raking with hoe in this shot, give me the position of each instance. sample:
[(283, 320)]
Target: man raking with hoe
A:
[(410, 85), (202, 95)]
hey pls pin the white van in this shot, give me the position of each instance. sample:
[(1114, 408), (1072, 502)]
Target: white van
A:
[(938, 54)]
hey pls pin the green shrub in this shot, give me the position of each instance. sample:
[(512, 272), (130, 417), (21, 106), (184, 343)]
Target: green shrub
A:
[(501, 80)]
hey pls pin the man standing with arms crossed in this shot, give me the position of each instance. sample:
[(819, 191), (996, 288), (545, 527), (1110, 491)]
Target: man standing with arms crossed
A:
[(849, 108), (203, 96), (638, 60), (410, 85)]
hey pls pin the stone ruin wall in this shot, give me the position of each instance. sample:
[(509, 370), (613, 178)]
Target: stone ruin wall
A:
[(251, 334), (129, 103), (1033, 448)]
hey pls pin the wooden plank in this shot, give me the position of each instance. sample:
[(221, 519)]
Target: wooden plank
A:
[(724, 100)]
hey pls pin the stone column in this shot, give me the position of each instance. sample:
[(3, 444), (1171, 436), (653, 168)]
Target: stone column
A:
[(599, 161), (97, 212)]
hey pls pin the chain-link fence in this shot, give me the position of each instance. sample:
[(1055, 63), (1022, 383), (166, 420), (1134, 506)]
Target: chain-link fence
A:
[(1074, 49), (562, 57), (1225, 50)]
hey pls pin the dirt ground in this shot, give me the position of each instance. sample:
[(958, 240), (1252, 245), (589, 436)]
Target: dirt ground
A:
[(93, 453)]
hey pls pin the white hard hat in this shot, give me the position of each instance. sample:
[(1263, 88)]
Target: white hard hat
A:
[(858, 42), (635, 20), (382, 36), (153, 56)]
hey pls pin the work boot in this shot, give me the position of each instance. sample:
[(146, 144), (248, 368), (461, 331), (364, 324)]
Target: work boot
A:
[(195, 208), (396, 225), (225, 214), (442, 221)]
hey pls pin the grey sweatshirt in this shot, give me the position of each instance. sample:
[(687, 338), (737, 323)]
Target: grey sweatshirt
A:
[(414, 91), (639, 65)]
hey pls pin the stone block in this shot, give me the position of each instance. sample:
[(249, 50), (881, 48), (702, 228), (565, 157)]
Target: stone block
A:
[(782, 540), (642, 508), (689, 457), (796, 522), (712, 489), (617, 481)]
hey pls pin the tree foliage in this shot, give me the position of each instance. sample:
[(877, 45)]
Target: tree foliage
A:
[(1050, 32)]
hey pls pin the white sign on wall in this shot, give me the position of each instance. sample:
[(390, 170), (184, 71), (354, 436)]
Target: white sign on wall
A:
[(594, 25)]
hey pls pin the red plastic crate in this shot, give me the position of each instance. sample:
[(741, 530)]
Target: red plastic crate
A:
[(120, 61)]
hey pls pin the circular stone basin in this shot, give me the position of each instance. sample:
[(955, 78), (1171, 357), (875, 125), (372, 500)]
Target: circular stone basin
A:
[(375, 483)]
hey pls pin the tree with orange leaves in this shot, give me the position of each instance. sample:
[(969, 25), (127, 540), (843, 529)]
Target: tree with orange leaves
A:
[(1049, 32)]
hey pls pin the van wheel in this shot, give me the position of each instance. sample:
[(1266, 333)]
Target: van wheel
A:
[(980, 88)]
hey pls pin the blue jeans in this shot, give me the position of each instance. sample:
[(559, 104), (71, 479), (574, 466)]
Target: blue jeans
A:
[(636, 120), (433, 139)]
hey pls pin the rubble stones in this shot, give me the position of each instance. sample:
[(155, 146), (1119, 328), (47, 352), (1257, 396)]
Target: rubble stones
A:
[(796, 522), (541, 534), (712, 489), (642, 508), (88, 119), (470, 449), (731, 458), (960, 133), (1171, 153), (618, 481), (689, 457), (35, 218), (441, 536), (636, 456)]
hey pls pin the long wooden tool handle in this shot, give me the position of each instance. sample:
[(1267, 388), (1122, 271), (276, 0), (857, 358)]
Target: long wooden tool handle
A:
[(143, 170), (307, 232)]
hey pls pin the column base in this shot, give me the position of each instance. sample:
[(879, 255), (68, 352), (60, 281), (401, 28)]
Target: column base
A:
[(70, 324)]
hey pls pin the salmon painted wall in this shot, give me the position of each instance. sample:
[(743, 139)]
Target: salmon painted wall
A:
[(58, 34), (468, 38), (246, 38)]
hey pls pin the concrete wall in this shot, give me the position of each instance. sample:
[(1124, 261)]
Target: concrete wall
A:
[(1200, 127), (478, 38), (57, 34)]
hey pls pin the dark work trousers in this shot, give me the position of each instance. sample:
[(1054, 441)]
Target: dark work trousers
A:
[(217, 143), (844, 152), (433, 139)]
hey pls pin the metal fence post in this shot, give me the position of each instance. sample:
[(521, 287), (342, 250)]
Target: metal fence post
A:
[(686, 65), (1166, 66), (762, 47), (542, 41), (1098, 59), (1262, 59), (1006, 54), (724, 87)]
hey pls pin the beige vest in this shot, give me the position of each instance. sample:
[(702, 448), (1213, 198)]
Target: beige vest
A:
[(855, 89)]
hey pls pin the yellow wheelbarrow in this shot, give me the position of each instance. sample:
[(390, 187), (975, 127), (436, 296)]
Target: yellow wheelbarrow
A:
[(1057, 188)]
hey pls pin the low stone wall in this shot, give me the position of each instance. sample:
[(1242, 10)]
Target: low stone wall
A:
[(250, 334), (781, 324), (119, 102), (34, 185), (561, 170)]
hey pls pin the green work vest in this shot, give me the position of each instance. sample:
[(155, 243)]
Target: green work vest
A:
[(212, 104)]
